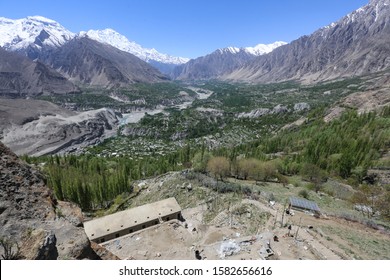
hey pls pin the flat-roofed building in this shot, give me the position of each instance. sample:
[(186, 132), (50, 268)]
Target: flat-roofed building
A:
[(131, 220)]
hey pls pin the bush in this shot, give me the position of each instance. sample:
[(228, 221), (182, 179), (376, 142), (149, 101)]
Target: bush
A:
[(11, 249), (304, 194), (311, 187)]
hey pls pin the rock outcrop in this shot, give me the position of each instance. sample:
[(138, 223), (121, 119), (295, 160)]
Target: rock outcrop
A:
[(33, 220), (303, 106), (278, 109)]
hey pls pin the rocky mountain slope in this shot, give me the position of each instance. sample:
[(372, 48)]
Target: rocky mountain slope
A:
[(32, 219), (220, 62), (355, 45), (21, 77), (36, 127), (89, 62), (373, 95)]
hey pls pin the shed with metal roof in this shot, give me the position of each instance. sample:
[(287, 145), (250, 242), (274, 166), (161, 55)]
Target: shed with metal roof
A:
[(303, 205)]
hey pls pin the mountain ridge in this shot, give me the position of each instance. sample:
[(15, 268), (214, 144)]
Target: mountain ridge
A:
[(86, 61), (115, 39), (357, 44), (32, 34), (221, 61), (22, 77)]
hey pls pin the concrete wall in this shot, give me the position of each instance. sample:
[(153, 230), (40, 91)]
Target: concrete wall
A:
[(137, 227)]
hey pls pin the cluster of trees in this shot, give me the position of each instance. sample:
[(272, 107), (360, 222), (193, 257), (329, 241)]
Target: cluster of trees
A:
[(89, 182), (93, 182), (345, 147), (186, 123), (242, 168)]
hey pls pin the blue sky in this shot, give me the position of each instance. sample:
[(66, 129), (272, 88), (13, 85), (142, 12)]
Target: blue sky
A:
[(190, 28)]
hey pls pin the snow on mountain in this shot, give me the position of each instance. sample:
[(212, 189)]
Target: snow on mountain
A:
[(113, 38), (39, 31), (232, 50), (36, 30), (259, 49)]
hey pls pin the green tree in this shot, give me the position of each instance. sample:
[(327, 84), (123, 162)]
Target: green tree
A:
[(314, 174), (200, 160), (219, 167)]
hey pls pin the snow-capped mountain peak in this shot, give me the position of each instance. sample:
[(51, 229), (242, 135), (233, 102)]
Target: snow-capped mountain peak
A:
[(261, 49), (44, 20), (34, 30), (232, 50), (117, 40), (38, 31)]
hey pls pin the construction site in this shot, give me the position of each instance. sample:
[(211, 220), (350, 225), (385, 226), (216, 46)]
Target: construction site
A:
[(209, 226)]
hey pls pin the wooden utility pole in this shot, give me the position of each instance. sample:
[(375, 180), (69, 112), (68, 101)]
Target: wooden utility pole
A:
[(299, 226), (284, 212), (276, 216)]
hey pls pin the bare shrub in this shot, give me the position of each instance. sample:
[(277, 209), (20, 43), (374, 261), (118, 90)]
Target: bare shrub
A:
[(10, 248)]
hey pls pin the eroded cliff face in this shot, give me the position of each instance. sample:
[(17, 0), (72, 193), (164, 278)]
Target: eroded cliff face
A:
[(33, 220), (36, 127)]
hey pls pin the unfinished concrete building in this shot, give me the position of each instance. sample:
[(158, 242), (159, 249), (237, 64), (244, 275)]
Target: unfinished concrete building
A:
[(131, 220)]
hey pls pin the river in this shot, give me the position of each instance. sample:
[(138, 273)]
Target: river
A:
[(136, 116)]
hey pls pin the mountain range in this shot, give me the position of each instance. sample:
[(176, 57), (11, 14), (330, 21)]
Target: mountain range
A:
[(220, 62), (355, 45), (34, 33), (164, 62), (102, 58)]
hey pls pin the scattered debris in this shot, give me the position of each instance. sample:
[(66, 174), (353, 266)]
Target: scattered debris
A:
[(265, 252), (228, 248)]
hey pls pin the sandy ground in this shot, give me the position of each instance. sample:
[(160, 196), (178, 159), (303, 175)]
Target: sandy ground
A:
[(180, 240)]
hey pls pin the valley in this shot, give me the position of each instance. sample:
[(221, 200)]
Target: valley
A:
[(278, 151), (270, 137)]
